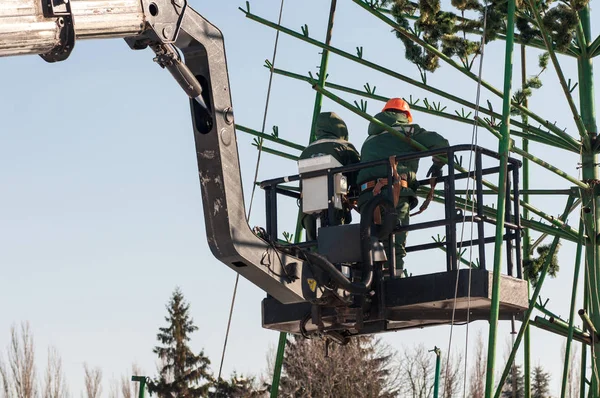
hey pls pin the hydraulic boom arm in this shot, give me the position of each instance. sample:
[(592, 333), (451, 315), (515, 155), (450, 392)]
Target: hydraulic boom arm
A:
[(50, 28)]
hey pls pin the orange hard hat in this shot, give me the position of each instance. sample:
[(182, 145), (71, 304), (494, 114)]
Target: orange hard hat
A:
[(398, 104)]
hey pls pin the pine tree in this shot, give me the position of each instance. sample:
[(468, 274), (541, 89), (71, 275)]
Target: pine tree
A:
[(237, 387), (514, 389), (362, 368), (540, 383), (182, 372)]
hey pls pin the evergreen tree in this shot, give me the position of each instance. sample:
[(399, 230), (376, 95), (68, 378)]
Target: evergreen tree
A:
[(182, 372), (236, 387), (514, 387), (362, 368), (540, 383)]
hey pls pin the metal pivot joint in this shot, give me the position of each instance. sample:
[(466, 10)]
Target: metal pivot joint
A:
[(165, 17), (61, 10)]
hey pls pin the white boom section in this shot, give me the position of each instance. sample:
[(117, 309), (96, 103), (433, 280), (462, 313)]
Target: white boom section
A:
[(24, 29)]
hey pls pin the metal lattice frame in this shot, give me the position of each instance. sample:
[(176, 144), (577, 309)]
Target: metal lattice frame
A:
[(586, 188)]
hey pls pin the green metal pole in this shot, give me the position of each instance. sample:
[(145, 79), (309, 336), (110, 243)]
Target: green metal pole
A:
[(567, 364), (532, 303), (142, 381), (526, 235), (317, 110), (283, 336), (438, 360), (278, 364), (583, 368), (323, 70), (591, 202), (503, 150)]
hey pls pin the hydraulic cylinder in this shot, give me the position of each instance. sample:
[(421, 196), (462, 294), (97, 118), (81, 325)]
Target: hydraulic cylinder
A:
[(27, 28)]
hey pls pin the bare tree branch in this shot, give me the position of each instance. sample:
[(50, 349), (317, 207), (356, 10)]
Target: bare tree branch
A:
[(93, 381), (5, 384), (130, 389), (451, 381), (114, 388), (55, 385), (21, 362), (418, 368), (478, 370), (574, 371)]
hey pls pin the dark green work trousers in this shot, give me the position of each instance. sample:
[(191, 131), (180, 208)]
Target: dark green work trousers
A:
[(402, 219)]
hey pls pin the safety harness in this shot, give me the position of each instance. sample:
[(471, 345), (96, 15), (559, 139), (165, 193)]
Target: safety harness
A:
[(399, 181)]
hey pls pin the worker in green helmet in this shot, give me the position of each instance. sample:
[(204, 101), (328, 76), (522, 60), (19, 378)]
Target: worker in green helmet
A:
[(382, 144), (331, 139)]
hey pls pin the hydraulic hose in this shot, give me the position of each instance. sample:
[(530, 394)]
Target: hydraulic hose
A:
[(362, 287), (368, 230)]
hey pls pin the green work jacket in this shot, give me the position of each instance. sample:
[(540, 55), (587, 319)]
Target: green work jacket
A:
[(332, 139), (381, 144)]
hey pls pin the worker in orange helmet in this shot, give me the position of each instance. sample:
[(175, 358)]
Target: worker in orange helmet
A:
[(381, 144)]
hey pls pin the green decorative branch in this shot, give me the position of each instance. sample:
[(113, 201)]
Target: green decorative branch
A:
[(362, 106), (540, 305), (490, 212), (273, 138), (543, 237), (522, 95), (561, 77), (536, 160), (289, 237), (575, 145), (305, 30), (533, 266), (531, 42), (420, 147), (593, 48), (549, 192), (466, 71), (259, 145), (488, 127), (533, 133), (441, 239)]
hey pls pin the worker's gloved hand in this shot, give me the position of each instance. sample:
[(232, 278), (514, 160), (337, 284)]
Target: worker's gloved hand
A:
[(435, 171)]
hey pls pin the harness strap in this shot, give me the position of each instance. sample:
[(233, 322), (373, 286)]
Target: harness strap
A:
[(425, 205), (396, 187)]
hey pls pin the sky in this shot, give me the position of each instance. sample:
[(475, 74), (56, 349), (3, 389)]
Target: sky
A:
[(101, 214)]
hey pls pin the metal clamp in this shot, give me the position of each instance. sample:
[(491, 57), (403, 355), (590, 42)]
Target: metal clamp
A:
[(61, 10)]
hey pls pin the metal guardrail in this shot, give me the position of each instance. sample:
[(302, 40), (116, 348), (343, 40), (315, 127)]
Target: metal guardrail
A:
[(452, 214)]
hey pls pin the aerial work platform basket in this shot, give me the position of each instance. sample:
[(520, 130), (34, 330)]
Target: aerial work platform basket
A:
[(394, 302)]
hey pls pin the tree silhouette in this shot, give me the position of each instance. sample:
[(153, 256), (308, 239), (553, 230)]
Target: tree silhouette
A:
[(182, 372)]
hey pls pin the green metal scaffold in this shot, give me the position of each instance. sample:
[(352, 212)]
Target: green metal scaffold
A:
[(582, 193)]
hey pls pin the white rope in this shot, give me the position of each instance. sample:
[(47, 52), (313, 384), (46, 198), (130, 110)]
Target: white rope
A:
[(264, 122), (474, 141)]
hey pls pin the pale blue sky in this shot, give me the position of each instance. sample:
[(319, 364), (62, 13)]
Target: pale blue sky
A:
[(101, 214)]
